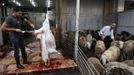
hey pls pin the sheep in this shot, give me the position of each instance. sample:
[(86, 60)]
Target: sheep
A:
[(129, 62), (118, 44), (97, 64), (125, 36), (82, 41), (111, 54), (99, 48), (128, 50), (85, 40), (2, 68), (89, 41), (121, 69)]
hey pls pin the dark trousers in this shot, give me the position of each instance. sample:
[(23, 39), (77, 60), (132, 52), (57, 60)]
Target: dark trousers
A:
[(107, 41), (18, 45), (97, 36)]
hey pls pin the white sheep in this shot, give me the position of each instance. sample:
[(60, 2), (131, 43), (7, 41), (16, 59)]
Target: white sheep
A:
[(111, 54), (99, 48), (118, 44), (89, 41)]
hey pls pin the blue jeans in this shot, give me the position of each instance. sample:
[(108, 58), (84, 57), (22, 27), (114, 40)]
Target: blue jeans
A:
[(18, 44)]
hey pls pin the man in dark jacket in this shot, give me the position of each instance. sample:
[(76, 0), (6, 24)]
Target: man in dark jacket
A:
[(13, 24)]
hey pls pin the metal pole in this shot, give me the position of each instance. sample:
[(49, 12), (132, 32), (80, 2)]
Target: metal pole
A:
[(77, 28)]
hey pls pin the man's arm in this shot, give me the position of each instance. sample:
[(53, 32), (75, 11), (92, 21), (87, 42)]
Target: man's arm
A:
[(101, 33), (112, 35), (30, 23), (102, 30), (5, 27)]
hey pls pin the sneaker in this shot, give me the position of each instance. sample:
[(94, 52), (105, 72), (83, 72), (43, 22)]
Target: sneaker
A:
[(20, 66), (27, 62)]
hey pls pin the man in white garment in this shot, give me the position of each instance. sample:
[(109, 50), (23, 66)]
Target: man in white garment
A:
[(107, 31), (107, 34)]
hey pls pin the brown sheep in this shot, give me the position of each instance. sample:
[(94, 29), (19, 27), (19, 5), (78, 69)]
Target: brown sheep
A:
[(97, 64), (128, 50)]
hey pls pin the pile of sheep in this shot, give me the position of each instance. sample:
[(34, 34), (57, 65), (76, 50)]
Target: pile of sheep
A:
[(121, 49)]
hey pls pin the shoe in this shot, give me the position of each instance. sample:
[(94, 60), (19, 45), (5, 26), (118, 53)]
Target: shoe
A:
[(27, 62), (19, 66)]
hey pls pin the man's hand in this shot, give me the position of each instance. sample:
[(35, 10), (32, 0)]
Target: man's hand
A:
[(18, 30), (35, 34), (102, 38), (25, 20), (32, 25)]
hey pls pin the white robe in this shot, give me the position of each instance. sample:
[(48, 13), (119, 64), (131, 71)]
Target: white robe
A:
[(47, 39)]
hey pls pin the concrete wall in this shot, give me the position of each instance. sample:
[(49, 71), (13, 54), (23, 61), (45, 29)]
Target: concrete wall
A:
[(126, 21), (36, 19), (91, 13), (4, 38)]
